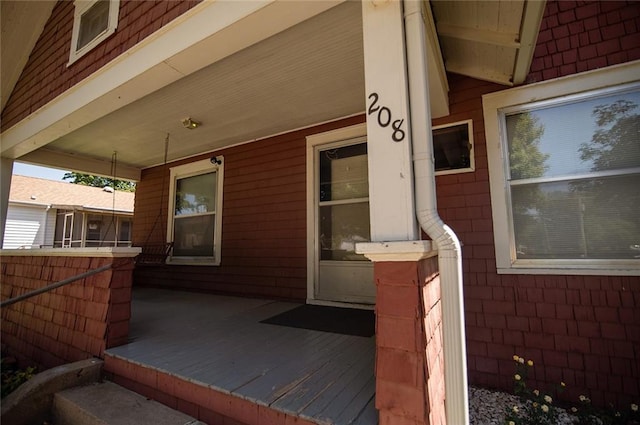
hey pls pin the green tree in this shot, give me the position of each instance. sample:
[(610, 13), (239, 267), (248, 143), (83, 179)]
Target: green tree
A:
[(525, 159), (616, 142), (611, 206), (98, 181), (524, 132)]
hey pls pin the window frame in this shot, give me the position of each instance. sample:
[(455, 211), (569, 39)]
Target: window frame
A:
[(191, 170), (82, 6), (557, 91), (472, 160)]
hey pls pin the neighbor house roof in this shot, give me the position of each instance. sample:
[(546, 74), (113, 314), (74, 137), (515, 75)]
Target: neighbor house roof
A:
[(60, 194)]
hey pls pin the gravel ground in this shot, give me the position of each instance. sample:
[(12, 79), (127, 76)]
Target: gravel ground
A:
[(488, 407)]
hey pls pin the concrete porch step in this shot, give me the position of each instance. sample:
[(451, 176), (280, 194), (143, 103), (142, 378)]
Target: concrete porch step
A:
[(109, 404)]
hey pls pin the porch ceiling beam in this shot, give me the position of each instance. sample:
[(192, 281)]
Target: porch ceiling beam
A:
[(480, 73), (438, 83), (531, 21), (206, 34), (82, 164), (501, 39)]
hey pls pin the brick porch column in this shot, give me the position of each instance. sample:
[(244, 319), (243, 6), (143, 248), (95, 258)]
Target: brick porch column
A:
[(409, 347)]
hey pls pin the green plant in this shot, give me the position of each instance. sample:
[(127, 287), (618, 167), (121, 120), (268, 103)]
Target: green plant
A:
[(588, 414), (537, 407), (12, 377)]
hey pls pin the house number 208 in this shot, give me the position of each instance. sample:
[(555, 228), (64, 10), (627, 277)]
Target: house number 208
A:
[(384, 118)]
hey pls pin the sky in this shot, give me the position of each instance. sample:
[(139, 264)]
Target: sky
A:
[(23, 169)]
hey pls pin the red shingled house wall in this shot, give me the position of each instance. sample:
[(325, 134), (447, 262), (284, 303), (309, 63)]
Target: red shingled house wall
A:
[(582, 330)]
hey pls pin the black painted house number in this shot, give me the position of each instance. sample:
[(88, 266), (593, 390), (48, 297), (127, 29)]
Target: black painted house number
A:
[(385, 118)]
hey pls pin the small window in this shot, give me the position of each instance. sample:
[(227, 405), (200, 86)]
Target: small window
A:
[(195, 213), (564, 174), (93, 22), (453, 148)]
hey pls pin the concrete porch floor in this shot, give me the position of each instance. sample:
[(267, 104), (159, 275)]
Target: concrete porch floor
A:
[(218, 342)]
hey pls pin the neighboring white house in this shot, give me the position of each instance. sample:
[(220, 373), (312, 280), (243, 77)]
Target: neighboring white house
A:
[(46, 213)]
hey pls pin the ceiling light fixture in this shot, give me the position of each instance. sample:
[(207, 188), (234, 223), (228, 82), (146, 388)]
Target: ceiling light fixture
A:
[(190, 124)]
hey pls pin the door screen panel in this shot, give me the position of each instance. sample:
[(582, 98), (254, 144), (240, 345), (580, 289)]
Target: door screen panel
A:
[(342, 216), (341, 227), (344, 202)]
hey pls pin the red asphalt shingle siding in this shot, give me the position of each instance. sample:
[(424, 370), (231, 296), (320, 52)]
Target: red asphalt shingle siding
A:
[(577, 36)]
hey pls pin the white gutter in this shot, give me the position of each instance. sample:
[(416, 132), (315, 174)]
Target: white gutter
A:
[(89, 208), (449, 255)]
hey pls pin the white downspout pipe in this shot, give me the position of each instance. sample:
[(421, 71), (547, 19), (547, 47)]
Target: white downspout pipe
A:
[(449, 253)]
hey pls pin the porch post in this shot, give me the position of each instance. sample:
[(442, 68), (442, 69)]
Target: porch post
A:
[(6, 169), (391, 201), (410, 387)]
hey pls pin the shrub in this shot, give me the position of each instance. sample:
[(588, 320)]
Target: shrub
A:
[(12, 377), (537, 407)]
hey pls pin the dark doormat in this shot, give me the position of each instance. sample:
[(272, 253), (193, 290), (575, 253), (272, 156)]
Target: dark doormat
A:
[(346, 321)]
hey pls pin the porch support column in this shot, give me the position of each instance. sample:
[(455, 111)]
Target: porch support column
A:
[(6, 169), (391, 198), (410, 387)]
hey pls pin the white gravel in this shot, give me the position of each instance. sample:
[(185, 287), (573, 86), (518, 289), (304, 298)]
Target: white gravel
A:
[(488, 407)]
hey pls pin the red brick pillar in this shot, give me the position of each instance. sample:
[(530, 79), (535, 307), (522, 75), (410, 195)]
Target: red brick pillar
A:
[(409, 360)]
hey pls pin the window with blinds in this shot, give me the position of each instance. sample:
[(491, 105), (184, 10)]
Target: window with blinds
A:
[(565, 174)]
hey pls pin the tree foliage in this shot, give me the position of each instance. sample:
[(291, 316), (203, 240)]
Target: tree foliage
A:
[(611, 203), (594, 216), (525, 158), (616, 142), (98, 181), (526, 161), (611, 212)]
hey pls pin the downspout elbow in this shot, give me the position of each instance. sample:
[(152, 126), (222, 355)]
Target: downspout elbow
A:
[(446, 240)]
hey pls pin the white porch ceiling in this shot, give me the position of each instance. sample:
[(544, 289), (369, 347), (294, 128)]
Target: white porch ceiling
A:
[(310, 73)]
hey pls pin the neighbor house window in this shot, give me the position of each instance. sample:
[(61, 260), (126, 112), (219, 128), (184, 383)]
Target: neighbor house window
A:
[(453, 148), (195, 213), (94, 230), (124, 232), (93, 21), (565, 173)]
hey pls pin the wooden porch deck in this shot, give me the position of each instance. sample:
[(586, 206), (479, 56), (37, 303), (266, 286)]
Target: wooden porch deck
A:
[(219, 342)]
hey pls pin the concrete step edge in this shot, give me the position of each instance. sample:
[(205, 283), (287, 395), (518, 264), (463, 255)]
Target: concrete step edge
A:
[(106, 403), (31, 402)]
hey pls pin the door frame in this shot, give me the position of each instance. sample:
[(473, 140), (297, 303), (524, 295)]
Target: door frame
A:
[(64, 229), (349, 135)]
